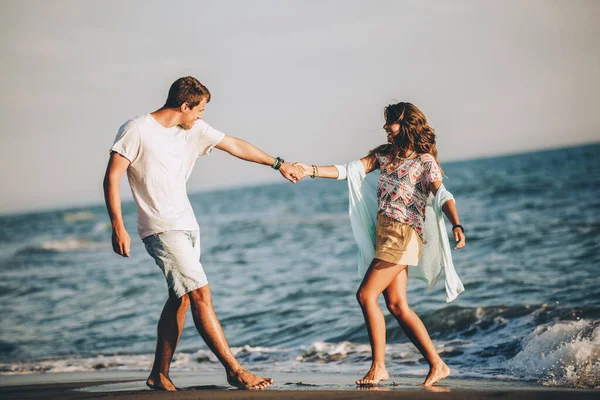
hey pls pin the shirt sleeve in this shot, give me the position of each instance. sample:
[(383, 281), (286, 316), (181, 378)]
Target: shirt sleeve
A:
[(380, 160), (127, 142), (208, 137), (432, 169)]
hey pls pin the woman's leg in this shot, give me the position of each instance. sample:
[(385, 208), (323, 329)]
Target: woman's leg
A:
[(411, 324), (379, 275)]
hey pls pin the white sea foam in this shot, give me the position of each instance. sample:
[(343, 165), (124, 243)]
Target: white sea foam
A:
[(79, 216), (248, 353), (71, 243), (328, 352), (116, 362), (398, 353), (200, 360), (562, 354), (101, 227)]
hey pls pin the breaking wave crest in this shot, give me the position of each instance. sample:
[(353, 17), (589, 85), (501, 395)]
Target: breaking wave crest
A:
[(562, 354)]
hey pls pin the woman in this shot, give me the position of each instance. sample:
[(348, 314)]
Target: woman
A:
[(409, 172)]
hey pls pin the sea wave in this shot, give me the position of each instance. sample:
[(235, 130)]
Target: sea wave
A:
[(456, 322), (114, 362), (565, 354), (562, 354), (182, 361), (323, 352)]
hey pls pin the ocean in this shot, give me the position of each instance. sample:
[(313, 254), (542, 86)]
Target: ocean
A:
[(281, 261)]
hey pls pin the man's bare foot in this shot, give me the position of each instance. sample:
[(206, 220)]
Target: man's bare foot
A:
[(161, 383), (374, 376), (245, 380), (436, 374)]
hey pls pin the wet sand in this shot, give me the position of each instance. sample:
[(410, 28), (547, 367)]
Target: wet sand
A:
[(131, 385)]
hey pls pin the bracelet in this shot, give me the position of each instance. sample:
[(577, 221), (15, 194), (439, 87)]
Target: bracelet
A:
[(277, 163), (458, 226), (314, 174)]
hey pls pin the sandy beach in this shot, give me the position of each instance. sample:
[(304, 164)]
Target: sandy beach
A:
[(131, 385)]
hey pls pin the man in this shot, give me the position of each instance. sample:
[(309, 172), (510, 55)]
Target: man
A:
[(158, 151)]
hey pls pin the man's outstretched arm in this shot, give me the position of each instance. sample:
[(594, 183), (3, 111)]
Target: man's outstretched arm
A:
[(117, 165), (241, 149)]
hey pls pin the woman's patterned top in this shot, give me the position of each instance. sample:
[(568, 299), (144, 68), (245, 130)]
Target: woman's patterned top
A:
[(403, 188)]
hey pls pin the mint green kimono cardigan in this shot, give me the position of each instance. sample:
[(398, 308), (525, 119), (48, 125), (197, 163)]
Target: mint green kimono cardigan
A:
[(436, 254)]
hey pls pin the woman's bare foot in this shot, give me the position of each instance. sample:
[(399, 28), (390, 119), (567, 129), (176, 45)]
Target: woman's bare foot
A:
[(161, 383), (375, 375), (245, 380), (436, 374)]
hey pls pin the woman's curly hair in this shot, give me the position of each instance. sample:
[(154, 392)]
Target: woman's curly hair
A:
[(415, 134)]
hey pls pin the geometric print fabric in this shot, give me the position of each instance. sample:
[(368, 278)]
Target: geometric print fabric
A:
[(404, 187)]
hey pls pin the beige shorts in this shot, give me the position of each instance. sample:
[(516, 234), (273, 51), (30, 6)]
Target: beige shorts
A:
[(396, 242), (177, 253)]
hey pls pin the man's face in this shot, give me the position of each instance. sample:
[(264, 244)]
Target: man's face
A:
[(191, 115)]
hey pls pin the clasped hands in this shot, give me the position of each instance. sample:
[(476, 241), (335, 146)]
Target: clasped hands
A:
[(294, 172)]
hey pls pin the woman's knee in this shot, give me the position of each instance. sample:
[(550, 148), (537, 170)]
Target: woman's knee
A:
[(363, 297), (397, 308)]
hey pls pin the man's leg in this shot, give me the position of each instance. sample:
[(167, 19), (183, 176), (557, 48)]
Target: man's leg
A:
[(170, 327), (210, 329)]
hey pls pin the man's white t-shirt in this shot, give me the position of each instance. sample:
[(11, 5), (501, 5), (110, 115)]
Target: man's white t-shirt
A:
[(162, 160)]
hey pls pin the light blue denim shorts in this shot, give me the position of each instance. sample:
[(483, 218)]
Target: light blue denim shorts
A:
[(177, 253)]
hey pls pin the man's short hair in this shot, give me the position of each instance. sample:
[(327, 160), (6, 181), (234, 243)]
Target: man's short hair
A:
[(187, 90)]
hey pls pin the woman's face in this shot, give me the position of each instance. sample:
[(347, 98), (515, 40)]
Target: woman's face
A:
[(391, 129)]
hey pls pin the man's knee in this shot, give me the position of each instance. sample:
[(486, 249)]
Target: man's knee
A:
[(179, 303), (200, 297), (184, 301)]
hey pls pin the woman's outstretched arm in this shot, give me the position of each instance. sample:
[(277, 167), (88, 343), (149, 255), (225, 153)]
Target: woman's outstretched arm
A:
[(332, 171)]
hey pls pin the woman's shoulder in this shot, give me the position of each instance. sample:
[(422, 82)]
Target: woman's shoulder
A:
[(428, 161), (379, 151), (426, 157)]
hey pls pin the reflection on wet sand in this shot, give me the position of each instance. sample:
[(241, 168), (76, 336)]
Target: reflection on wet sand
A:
[(437, 389), (391, 386), (373, 387)]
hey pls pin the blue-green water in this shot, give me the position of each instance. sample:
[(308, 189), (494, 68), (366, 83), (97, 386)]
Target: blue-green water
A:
[(281, 261)]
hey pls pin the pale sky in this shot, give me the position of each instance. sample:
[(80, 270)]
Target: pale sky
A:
[(303, 80)]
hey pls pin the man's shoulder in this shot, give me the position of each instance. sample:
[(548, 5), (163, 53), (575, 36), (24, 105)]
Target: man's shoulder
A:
[(200, 126), (135, 122), (140, 120)]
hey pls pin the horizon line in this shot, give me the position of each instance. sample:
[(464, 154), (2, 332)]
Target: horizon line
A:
[(129, 199)]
